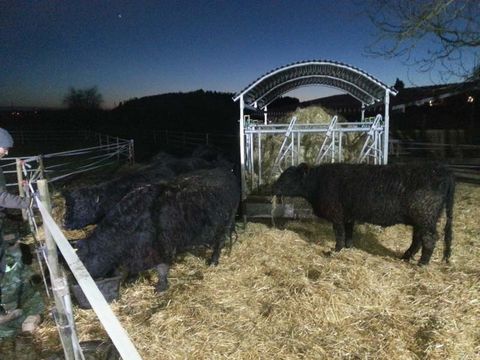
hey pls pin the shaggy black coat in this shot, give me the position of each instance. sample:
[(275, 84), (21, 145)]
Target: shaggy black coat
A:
[(88, 205), (411, 194), (153, 223)]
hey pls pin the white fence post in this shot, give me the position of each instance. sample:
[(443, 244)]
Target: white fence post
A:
[(66, 329), (21, 190), (104, 313)]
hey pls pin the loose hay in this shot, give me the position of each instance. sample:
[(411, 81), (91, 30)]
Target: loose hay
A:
[(283, 294)]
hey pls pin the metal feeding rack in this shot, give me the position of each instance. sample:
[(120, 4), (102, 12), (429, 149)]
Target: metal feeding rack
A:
[(291, 138), (258, 95)]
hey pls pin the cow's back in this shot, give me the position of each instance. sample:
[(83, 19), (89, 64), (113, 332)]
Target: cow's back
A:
[(380, 194)]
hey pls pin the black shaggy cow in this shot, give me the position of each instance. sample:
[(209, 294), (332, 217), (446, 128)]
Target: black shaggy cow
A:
[(88, 205), (385, 195), (154, 222)]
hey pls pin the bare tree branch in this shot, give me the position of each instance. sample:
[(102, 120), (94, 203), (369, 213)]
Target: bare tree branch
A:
[(429, 34)]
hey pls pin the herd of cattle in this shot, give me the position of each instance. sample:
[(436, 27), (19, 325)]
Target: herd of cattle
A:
[(144, 220), (175, 204)]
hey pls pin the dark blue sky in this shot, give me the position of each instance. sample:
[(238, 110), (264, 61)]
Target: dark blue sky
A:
[(139, 48)]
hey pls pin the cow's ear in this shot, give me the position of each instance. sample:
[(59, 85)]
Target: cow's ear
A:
[(304, 168)]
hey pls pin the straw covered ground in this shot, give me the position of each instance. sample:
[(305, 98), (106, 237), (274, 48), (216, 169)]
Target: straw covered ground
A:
[(282, 294)]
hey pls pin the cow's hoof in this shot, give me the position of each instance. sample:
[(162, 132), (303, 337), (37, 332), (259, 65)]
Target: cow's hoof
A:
[(338, 248), (349, 245), (423, 262), (212, 262), (406, 257)]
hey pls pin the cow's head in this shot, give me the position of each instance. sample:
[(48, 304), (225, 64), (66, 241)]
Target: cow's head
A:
[(82, 208), (290, 182)]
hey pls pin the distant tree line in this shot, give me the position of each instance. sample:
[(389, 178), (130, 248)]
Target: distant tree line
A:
[(83, 99)]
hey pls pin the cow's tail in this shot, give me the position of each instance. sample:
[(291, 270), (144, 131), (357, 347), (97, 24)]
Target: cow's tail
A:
[(449, 212)]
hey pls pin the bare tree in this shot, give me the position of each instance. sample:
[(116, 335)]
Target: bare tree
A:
[(83, 99), (428, 34)]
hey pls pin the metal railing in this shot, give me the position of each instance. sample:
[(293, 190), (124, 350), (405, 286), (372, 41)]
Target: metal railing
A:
[(185, 141), (31, 172), (463, 159), (329, 139), (60, 165)]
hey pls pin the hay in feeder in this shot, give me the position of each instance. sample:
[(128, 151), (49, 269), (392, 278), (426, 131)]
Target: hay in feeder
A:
[(283, 294), (310, 143)]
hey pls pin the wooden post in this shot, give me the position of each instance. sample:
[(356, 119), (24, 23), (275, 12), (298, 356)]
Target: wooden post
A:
[(21, 190), (118, 150), (131, 152), (41, 167), (22, 193), (66, 330)]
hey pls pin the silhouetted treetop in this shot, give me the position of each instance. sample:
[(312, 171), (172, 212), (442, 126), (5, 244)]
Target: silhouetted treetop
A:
[(83, 99)]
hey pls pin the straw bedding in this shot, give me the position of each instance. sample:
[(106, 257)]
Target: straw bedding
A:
[(282, 294)]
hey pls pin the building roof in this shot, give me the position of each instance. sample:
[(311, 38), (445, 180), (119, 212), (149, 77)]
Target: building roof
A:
[(412, 96), (359, 84)]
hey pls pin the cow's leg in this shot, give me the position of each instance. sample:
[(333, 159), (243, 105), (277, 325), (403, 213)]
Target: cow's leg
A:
[(429, 239), (339, 230), (215, 255), (162, 270), (217, 248), (2, 310), (349, 234), (415, 246)]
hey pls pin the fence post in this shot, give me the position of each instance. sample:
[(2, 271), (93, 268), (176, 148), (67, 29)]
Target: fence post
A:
[(131, 152), (206, 139), (118, 150), (66, 329), (21, 190), (41, 166)]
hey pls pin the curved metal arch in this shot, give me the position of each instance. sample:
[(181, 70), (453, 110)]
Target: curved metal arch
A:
[(355, 91), (292, 76)]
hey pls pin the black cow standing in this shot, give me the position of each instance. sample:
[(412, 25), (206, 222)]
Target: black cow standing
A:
[(411, 194), (153, 223)]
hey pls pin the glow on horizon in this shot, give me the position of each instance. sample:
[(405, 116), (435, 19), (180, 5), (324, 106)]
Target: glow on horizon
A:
[(147, 48)]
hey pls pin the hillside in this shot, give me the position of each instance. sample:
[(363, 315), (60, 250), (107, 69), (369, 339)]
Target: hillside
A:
[(194, 111)]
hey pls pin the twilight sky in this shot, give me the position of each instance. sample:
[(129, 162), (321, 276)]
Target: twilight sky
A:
[(139, 48)]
